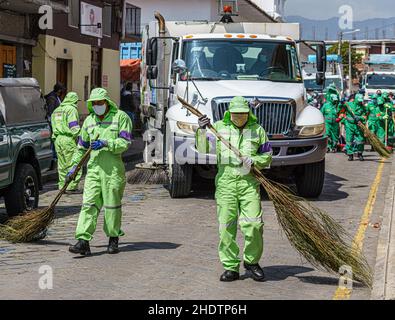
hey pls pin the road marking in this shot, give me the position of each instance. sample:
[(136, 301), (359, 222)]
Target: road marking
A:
[(343, 293)]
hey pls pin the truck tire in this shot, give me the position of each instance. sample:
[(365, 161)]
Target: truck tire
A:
[(180, 180), (23, 194), (310, 179)]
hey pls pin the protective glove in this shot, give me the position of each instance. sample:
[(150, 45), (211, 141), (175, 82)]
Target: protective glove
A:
[(203, 122), (338, 120), (386, 117), (247, 162), (70, 173), (98, 144)]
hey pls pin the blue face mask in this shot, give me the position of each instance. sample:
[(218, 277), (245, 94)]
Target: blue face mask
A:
[(100, 109)]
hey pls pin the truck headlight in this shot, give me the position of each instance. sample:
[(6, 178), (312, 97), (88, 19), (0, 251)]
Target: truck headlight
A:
[(310, 131), (188, 128)]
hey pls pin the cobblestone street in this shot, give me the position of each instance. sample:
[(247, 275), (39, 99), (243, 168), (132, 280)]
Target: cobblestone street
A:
[(170, 247)]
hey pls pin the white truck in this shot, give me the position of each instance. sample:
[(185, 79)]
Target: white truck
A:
[(218, 61), (380, 74)]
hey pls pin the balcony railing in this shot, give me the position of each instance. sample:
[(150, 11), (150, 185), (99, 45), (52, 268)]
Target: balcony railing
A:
[(133, 22)]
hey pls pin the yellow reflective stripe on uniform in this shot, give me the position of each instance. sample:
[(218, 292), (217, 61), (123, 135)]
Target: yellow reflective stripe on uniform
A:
[(227, 225), (248, 219)]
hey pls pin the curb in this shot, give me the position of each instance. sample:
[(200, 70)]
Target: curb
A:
[(384, 270)]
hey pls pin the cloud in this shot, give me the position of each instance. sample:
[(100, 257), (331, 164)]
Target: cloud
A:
[(324, 9)]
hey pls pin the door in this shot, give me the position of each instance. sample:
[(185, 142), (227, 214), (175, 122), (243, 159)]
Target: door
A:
[(96, 67), (5, 160), (7, 56), (61, 71)]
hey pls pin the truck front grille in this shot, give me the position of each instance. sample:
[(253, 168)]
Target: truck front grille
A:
[(276, 117)]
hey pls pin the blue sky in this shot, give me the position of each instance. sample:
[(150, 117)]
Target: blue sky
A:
[(325, 9)]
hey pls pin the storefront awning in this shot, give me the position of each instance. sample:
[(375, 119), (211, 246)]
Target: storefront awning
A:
[(130, 70)]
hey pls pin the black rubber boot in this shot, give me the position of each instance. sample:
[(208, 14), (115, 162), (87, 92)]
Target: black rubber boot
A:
[(81, 247), (360, 156), (113, 245), (351, 157), (229, 276), (256, 271)]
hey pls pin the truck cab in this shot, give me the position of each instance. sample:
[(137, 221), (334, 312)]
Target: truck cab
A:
[(25, 144), (380, 74), (222, 61)]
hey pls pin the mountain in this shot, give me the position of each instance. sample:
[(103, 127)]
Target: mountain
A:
[(328, 29)]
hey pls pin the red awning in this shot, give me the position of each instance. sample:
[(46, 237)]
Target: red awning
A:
[(130, 70)]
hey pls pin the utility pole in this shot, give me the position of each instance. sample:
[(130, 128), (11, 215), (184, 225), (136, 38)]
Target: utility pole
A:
[(340, 44)]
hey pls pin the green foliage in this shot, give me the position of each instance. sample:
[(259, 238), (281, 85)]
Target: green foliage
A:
[(356, 58)]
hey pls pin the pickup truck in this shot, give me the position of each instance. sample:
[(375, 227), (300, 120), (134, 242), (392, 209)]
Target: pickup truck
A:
[(25, 143)]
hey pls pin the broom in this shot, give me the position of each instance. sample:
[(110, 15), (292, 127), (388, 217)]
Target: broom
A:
[(374, 141), (312, 232), (29, 227)]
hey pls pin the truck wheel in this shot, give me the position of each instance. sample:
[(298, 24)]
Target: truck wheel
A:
[(23, 194), (180, 180), (310, 179)]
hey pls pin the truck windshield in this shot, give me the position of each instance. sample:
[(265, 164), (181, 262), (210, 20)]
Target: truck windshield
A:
[(242, 60), (311, 84), (380, 81)]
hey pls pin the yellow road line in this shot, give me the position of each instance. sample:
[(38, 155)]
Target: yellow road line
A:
[(343, 293)]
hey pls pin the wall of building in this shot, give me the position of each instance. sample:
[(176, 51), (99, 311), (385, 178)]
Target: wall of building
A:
[(51, 48), (176, 9)]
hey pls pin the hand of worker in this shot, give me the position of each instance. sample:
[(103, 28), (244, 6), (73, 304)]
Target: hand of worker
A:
[(247, 162), (386, 117), (338, 120), (98, 144), (70, 173), (203, 122)]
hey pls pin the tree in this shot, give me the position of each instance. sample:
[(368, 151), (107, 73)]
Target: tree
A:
[(356, 58)]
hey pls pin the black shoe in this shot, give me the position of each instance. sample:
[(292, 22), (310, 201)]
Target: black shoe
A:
[(113, 245), (351, 157), (229, 276), (360, 156), (256, 271), (81, 247)]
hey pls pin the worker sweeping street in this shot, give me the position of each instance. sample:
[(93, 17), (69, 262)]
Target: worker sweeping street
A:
[(237, 190), (108, 131), (355, 113), (330, 111), (65, 131)]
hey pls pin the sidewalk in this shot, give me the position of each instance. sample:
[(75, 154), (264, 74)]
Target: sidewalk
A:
[(384, 271)]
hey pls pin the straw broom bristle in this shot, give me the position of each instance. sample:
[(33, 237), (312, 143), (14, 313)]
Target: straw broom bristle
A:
[(375, 142), (27, 227), (314, 234)]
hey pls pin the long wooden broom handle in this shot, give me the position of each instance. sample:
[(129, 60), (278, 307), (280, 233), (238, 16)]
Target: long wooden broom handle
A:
[(79, 166), (236, 151)]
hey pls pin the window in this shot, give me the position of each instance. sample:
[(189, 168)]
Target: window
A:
[(74, 14), (107, 20), (242, 60), (133, 21)]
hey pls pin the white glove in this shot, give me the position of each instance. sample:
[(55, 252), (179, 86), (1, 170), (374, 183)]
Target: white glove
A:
[(247, 162)]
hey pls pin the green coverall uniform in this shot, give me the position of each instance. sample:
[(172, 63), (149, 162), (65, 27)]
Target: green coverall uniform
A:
[(105, 180), (389, 107), (237, 191), (330, 112), (354, 135), (371, 109), (381, 117), (65, 131)]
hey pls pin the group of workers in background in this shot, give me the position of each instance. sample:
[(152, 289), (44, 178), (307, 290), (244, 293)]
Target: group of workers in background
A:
[(378, 114)]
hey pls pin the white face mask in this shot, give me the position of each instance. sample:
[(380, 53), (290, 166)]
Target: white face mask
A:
[(100, 109)]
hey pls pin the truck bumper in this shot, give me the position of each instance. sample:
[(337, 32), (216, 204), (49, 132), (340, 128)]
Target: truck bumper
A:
[(285, 152)]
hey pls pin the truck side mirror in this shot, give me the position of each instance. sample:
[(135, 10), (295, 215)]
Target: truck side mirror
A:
[(152, 52), (152, 72), (321, 63)]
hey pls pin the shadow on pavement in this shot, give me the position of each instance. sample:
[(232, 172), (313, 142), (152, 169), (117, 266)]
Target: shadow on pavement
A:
[(135, 246), (331, 191), (279, 273)]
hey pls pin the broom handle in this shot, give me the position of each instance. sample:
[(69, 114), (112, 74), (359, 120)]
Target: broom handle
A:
[(236, 151), (79, 166)]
